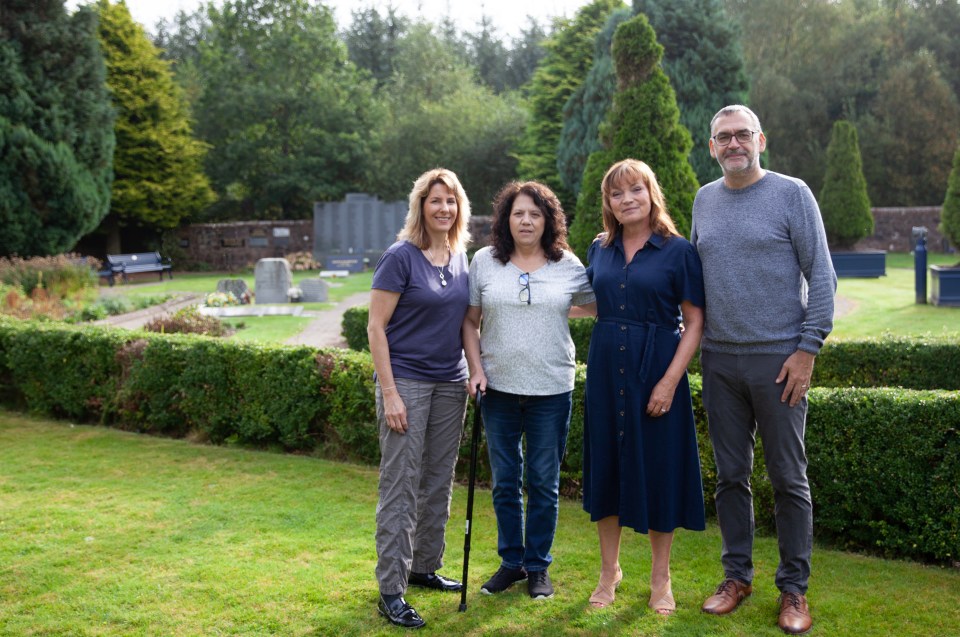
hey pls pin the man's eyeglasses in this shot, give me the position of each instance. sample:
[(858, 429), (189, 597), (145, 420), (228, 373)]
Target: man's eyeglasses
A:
[(524, 280), (743, 136)]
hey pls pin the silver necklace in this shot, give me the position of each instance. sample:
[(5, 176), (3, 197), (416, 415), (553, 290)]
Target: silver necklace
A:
[(443, 280)]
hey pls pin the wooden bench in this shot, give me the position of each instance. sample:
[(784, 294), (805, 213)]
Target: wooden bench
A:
[(125, 264)]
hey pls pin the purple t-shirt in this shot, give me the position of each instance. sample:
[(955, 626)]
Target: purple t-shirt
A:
[(424, 331)]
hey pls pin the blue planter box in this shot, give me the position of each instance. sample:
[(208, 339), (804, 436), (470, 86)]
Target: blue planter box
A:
[(945, 285), (868, 264)]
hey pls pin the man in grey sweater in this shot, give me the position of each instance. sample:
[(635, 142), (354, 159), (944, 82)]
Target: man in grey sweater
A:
[(769, 286)]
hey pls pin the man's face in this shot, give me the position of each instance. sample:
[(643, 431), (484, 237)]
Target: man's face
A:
[(737, 158)]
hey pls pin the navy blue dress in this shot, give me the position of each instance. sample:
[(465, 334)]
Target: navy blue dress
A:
[(645, 470)]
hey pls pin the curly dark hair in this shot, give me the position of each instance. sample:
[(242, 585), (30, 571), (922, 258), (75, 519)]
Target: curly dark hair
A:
[(554, 239)]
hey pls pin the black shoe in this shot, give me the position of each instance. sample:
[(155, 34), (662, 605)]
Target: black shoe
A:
[(434, 581), (400, 613), (503, 579), (538, 585)]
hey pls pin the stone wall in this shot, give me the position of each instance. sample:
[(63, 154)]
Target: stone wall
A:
[(230, 247), (893, 230)]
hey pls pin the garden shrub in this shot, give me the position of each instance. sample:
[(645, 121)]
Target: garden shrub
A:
[(354, 327), (189, 320), (844, 204), (950, 213), (884, 463), (63, 275)]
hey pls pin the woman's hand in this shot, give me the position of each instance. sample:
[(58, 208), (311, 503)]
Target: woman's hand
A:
[(478, 378), (394, 410), (661, 399)]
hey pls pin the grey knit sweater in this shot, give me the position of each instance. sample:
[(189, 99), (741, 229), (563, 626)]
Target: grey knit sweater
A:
[(767, 271)]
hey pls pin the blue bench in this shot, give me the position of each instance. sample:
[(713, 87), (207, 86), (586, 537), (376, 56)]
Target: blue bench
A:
[(124, 264)]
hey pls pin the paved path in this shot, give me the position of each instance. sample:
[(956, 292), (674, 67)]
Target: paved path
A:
[(324, 329)]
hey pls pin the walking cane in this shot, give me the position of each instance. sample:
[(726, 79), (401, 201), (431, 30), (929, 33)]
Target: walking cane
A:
[(474, 444)]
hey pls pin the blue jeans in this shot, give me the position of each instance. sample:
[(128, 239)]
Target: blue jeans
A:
[(545, 420)]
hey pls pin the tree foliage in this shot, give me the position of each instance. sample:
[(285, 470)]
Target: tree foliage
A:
[(843, 201), (56, 128), (372, 40), (704, 61), (286, 115), (871, 63), (950, 213), (568, 59), (644, 123), (157, 163), (436, 114), (587, 107)]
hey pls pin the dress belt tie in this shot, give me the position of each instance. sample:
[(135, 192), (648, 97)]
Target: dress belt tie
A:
[(651, 328)]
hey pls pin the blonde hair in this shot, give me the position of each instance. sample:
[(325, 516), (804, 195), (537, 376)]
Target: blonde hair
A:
[(624, 173), (415, 231)]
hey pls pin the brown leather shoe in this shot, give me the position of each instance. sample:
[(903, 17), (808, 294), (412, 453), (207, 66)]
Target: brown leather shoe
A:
[(728, 596), (795, 616)]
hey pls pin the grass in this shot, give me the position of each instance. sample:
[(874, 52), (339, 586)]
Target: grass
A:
[(108, 533), (873, 307)]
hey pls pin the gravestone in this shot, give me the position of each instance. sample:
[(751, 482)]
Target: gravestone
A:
[(237, 287), (272, 280), (313, 291)]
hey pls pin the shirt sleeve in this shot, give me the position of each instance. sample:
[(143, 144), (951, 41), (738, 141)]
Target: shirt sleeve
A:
[(583, 290), (810, 243), (392, 272), (690, 279), (475, 280)]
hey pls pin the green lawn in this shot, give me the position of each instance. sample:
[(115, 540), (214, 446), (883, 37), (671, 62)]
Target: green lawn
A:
[(873, 307), (107, 533)]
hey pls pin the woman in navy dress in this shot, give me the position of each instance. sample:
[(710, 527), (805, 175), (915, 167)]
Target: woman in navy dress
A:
[(641, 468)]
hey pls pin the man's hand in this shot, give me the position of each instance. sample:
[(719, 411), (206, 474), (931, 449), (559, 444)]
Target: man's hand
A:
[(797, 372)]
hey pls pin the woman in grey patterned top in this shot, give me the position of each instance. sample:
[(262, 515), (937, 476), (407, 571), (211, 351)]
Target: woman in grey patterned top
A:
[(523, 288)]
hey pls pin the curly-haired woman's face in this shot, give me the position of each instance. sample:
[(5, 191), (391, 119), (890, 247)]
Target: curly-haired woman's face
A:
[(526, 222)]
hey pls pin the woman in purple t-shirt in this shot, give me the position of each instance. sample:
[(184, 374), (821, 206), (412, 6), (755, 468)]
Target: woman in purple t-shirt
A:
[(417, 306)]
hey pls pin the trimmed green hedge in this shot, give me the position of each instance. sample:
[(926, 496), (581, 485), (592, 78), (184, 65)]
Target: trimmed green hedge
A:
[(888, 361), (884, 463)]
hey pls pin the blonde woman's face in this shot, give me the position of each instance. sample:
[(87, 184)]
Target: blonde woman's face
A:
[(440, 209)]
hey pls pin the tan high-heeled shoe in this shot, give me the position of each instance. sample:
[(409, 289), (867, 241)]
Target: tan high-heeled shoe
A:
[(604, 594), (661, 601)]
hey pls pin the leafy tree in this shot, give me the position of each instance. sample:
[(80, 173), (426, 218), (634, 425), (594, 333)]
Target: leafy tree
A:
[(914, 114), (56, 128), (644, 123), (569, 57), (157, 163), (843, 201), (437, 115), (587, 108), (488, 55), (285, 113), (950, 213), (704, 61), (372, 40)]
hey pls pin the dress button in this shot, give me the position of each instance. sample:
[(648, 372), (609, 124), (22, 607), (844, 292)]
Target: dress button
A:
[(621, 392), (623, 328), (622, 285), (622, 347), (621, 413), (621, 370)]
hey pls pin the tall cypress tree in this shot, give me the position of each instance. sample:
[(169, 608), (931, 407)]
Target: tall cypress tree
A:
[(158, 164), (644, 123), (844, 203), (56, 128), (950, 213)]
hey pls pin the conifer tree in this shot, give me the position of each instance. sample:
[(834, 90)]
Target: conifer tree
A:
[(568, 59), (56, 128), (844, 203), (643, 123), (158, 164), (950, 213)]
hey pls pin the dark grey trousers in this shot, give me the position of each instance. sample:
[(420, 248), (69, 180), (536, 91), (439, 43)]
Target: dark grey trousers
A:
[(416, 480), (742, 399)]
